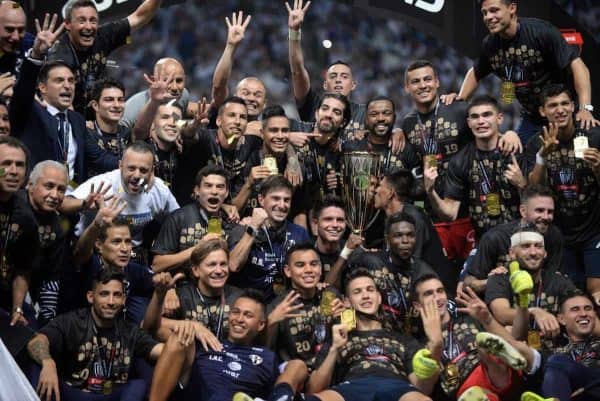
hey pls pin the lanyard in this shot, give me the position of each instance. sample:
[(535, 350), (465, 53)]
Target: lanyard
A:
[(429, 141), (538, 300), (170, 165), (512, 61), (221, 311), (487, 184), (106, 362)]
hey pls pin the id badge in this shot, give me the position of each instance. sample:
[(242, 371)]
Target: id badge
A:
[(580, 144), (492, 204), (507, 92)]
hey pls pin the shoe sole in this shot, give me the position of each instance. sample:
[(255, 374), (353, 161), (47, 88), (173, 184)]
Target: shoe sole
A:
[(495, 345), (529, 396), (242, 397), (474, 394)]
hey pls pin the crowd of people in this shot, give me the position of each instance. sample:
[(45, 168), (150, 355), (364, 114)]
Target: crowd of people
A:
[(157, 247)]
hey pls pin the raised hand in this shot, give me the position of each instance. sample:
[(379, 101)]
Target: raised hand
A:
[(201, 116), (108, 212), (286, 309), (514, 175), (430, 316), (158, 85), (296, 14), (236, 28), (164, 282), (474, 306), (510, 143), (7, 81), (46, 35), (94, 198), (549, 140)]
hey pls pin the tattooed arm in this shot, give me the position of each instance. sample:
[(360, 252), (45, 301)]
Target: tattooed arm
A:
[(39, 350)]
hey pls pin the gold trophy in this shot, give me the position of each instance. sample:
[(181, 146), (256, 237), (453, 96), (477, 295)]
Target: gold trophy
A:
[(360, 170), (214, 226)]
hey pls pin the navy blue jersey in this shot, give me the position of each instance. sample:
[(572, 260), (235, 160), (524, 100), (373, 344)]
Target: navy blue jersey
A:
[(263, 269), (217, 376)]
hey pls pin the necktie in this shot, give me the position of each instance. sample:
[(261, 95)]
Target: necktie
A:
[(63, 141)]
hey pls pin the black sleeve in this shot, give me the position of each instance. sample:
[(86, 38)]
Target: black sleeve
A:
[(482, 67), (411, 346), (22, 100), (114, 34), (454, 184), (98, 159), (167, 241), (486, 256), (497, 286), (557, 48), (306, 107), (143, 343), (58, 331), (235, 235)]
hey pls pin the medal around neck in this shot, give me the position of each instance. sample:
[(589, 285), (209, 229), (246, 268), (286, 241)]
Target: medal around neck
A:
[(507, 92)]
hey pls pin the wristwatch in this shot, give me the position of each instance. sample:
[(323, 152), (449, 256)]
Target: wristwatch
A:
[(251, 231), (18, 309), (588, 107)]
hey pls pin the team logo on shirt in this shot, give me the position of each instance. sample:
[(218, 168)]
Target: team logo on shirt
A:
[(234, 366), (374, 349), (256, 359)]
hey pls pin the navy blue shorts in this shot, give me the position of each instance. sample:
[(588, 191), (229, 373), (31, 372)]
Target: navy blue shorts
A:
[(373, 388)]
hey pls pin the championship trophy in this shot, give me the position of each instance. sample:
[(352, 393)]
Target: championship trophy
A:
[(360, 173)]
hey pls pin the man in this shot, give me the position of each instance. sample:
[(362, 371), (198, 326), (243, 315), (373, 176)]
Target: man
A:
[(379, 123), (338, 77), (186, 227), (392, 196), (147, 197), (479, 176), (45, 193), (575, 365), (537, 208), (258, 250), (478, 353), (394, 268), (107, 102), (239, 364), (574, 179), (18, 232), (4, 118), (367, 361), (527, 249), (320, 154), (300, 320), (91, 350), (166, 84), (329, 223), (53, 131), (275, 146), (527, 54), (14, 41), (85, 46)]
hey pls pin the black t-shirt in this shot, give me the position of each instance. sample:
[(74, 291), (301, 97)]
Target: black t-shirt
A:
[(473, 176), (394, 281), (545, 296), (184, 228), (89, 65), (19, 244), (459, 348), (206, 310), (585, 352), (302, 337), (108, 142), (389, 162), (576, 188), (316, 161), (441, 132), (307, 109), (166, 163), (492, 249), (217, 376), (537, 56), (81, 350), (233, 160), (327, 261), (380, 353)]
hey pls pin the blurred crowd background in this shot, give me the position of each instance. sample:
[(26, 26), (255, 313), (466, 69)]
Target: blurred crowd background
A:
[(378, 49)]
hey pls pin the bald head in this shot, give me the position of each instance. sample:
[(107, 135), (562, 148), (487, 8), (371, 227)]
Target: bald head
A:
[(12, 26), (170, 66), (253, 91)]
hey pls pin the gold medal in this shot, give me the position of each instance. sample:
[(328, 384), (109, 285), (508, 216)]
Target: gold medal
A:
[(348, 319), (107, 387), (452, 373), (492, 204), (271, 163), (507, 92), (580, 144), (214, 226), (534, 340), (431, 161), (327, 297)]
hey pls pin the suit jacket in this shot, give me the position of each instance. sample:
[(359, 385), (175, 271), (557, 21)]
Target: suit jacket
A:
[(38, 129)]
